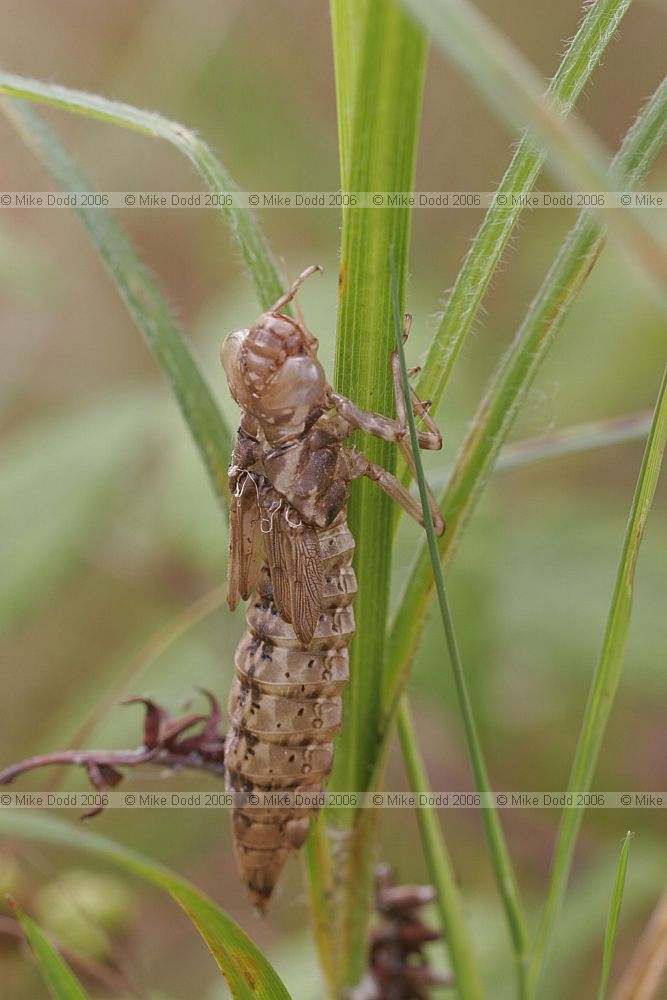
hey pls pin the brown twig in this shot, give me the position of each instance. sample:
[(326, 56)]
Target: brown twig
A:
[(168, 743)]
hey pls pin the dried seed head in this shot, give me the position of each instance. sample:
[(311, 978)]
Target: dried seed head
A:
[(398, 968)]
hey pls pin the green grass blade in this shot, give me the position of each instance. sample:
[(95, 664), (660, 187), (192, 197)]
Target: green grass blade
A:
[(500, 857), (348, 22), (441, 872), (249, 975), (143, 299), (321, 879), (506, 392), (512, 87), (245, 230), (60, 981), (584, 52), (614, 911), (382, 157), (348, 19), (605, 679), (385, 67)]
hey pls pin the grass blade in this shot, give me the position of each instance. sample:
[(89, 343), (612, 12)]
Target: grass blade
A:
[(380, 63), (512, 87), (60, 981), (506, 392), (605, 680), (143, 299), (249, 975), (382, 151), (441, 872), (500, 857), (321, 881), (348, 18), (598, 26), (614, 911), (245, 230)]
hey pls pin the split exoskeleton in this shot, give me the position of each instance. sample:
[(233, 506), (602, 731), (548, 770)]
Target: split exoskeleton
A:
[(291, 546)]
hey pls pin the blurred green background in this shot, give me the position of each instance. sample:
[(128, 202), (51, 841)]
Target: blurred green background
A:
[(108, 528)]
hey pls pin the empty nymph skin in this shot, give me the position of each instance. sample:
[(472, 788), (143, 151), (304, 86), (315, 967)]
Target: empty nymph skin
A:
[(291, 555)]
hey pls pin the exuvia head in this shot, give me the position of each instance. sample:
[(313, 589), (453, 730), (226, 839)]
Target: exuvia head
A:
[(272, 367)]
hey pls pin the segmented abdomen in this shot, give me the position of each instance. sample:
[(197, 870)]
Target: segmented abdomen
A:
[(285, 709)]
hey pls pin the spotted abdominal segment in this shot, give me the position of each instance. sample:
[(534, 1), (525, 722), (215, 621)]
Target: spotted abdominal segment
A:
[(285, 708)]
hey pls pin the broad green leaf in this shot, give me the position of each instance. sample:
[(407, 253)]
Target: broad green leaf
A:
[(247, 972), (61, 982)]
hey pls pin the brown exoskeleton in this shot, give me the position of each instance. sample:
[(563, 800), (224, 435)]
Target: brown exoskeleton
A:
[(290, 544)]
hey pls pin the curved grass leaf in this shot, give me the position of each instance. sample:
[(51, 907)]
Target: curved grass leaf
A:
[(586, 910), (600, 22), (60, 981), (614, 912), (512, 87), (241, 221), (605, 679), (249, 975), (143, 299), (506, 392)]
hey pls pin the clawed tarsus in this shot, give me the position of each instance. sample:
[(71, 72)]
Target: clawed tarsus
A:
[(397, 430), (294, 287)]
